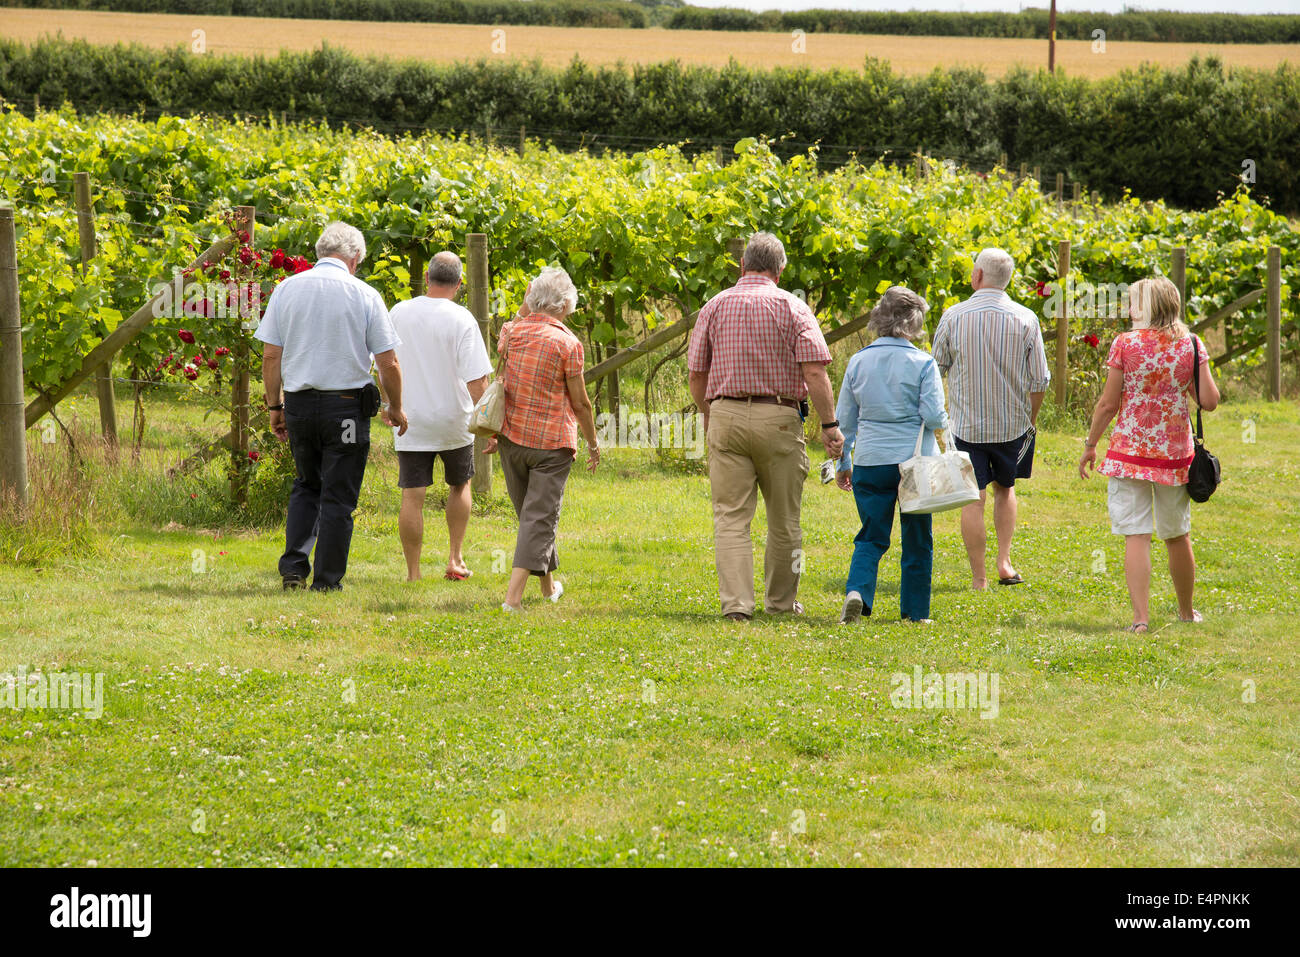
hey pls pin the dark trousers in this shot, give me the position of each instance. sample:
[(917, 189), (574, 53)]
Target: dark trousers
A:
[(535, 480), (330, 440), (875, 488)]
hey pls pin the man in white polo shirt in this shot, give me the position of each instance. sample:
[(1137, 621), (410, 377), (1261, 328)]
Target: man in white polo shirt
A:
[(321, 329), (446, 369)]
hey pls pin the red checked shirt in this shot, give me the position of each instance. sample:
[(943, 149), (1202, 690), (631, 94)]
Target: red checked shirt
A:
[(541, 353), (751, 338)]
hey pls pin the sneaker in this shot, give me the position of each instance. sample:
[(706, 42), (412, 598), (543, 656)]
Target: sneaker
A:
[(737, 616), (555, 594), (852, 610), (291, 582), (918, 621), (510, 609)]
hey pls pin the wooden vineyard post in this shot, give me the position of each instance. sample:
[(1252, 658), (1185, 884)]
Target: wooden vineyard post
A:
[(1024, 173), (1038, 177), (417, 273), (611, 317), (523, 139), (1178, 276), (1062, 325), (1078, 192), (1060, 190), (1002, 161), (89, 249), (476, 256), (13, 427), (1273, 294), (239, 472), (736, 253)]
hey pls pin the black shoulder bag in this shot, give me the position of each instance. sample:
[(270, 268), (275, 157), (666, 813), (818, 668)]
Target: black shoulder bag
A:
[(1203, 474)]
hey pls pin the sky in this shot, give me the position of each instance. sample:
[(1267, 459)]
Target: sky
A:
[(1110, 6)]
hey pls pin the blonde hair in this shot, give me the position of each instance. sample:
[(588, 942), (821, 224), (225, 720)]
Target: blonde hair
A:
[(1155, 304)]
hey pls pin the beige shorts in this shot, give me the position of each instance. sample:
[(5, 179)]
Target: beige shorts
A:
[(1139, 507)]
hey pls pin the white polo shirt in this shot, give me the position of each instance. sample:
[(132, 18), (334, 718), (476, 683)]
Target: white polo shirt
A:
[(441, 349), (329, 324)]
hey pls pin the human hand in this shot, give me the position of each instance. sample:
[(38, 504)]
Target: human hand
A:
[(833, 440), (1088, 461), (593, 457), (278, 425), (383, 417), (397, 419), (490, 445), (844, 480)]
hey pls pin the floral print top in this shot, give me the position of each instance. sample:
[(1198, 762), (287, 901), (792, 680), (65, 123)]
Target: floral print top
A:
[(1152, 438)]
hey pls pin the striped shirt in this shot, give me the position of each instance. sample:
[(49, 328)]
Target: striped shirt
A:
[(991, 349)]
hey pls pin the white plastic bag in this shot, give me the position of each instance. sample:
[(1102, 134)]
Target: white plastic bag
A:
[(936, 483), (489, 413)]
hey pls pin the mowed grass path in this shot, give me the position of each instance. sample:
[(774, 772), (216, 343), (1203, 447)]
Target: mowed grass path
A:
[(415, 724), (557, 46)]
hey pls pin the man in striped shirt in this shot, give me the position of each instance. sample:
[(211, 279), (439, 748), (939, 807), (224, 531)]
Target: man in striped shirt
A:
[(991, 349)]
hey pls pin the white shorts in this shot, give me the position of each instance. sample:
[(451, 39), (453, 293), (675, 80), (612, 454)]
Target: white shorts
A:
[(1139, 507)]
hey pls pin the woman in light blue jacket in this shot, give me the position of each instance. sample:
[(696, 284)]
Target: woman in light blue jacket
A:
[(890, 388)]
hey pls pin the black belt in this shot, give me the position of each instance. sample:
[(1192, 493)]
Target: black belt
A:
[(764, 399)]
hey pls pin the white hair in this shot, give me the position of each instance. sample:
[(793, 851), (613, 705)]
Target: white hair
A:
[(997, 266), (763, 253), (899, 313), (552, 292), (342, 241)]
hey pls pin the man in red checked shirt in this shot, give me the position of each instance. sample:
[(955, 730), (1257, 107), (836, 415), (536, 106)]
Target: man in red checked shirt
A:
[(756, 353)]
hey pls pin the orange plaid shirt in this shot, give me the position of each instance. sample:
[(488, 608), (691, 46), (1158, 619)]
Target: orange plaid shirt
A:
[(540, 354)]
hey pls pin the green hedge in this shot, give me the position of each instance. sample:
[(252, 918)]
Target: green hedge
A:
[(1181, 135), (561, 13), (1154, 25)]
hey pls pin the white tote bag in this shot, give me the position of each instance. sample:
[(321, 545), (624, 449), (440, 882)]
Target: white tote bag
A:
[(936, 483), (489, 413)]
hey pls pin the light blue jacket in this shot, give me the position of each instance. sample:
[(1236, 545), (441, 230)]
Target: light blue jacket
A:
[(889, 389)]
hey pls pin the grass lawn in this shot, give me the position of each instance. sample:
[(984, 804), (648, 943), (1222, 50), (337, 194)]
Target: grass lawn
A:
[(407, 724)]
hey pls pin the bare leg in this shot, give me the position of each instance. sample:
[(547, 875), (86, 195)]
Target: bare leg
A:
[(1182, 569), (1137, 572), (515, 591), (410, 528), (1004, 522), (976, 539), (547, 582), (459, 504)]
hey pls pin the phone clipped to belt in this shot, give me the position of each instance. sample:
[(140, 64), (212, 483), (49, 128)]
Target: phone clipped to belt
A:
[(370, 400)]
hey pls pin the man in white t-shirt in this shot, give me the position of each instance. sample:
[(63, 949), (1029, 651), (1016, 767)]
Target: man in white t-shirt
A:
[(446, 369)]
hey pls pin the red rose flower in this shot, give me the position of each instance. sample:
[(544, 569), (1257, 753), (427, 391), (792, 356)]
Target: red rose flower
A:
[(191, 373), (254, 455), (185, 336), (277, 259), (212, 363), (246, 256), (222, 350), (225, 275), (301, 264)]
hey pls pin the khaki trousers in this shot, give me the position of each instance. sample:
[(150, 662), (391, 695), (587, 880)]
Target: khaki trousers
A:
[(752, 447)]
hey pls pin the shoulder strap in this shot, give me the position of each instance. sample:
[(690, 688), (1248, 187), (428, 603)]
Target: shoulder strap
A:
[(1196, 386), (920, 437)]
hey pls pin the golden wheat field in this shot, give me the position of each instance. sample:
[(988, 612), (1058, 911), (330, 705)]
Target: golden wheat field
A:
[(556, 46)]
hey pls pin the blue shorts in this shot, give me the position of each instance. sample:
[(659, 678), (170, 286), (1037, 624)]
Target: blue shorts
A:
[(1001, 462)]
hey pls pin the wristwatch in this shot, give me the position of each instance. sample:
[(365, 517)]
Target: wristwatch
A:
[(275, 408), (833, 424)]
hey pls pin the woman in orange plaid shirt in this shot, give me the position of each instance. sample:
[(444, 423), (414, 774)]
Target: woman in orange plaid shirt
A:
[(546, 404)]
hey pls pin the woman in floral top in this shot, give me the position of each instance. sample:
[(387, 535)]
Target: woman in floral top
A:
[(1149, 379)]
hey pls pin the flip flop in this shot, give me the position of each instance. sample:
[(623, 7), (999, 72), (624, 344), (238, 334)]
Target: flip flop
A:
[(1013, 580), (452, 576)]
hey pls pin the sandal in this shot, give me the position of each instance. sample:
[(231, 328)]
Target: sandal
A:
[(1137, 628), (1196, 618)]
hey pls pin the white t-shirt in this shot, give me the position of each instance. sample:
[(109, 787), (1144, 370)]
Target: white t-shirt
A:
[(441, 349)]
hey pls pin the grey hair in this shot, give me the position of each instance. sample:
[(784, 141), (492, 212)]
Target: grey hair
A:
[(763, 253), (899, 313), (341, 240), (444, 269), (997, 266), (552, 292)]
